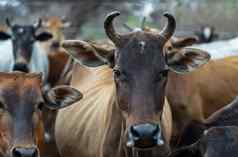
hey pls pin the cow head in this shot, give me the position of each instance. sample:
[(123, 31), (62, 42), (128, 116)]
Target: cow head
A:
[(55, 25), (23, 40), (140, 66), (21, 102), (216, 142)]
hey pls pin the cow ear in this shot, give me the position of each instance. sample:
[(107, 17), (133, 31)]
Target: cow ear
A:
[(189, 151), (88, 54), (187, 60), (44, 36), (4, 35), (62, 96), (182, 42)]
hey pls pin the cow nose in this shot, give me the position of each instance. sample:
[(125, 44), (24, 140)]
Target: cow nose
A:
[(25, 152), (145, 136), (21, 67), (55, 44)]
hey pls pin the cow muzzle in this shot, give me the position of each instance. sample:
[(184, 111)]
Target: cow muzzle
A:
[(25, 152), (21, 67), (145, 136)]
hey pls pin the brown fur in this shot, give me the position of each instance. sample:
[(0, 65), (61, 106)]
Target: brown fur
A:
[(197, 95)]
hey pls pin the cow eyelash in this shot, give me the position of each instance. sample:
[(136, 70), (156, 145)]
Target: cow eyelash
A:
[(2, 106), (161, 75), (116, 72), (40, 105), (120, 75)]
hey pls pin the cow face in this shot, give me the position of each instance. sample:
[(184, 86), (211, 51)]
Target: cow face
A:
[(23, 40), (55, 25), (140, 65), (216, 142), (21, 102)]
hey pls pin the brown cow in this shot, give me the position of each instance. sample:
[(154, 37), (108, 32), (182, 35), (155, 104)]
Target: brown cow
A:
[(22, 99), (57, 57), (59, 67), (124, 111), (215, 142)]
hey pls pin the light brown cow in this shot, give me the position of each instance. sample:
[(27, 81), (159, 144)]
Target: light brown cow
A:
[(198, 94), (124, 111), (56, 54), (59, 73), (22, 99)]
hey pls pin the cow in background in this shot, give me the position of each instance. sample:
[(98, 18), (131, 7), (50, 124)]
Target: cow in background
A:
[(215, 142), (226, 116), (59, 62), (206, 34), (21, 51)]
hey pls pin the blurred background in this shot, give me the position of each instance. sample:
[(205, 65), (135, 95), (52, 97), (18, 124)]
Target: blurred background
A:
[(87, 16)]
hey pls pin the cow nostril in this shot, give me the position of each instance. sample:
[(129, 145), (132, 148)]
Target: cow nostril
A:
[(55, 44), (156, 131), (24, 152), (134, 133), (145, 136), (21, 67)]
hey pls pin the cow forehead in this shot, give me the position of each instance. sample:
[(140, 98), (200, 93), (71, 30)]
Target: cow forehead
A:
[(19, 82), (55, 21), (16, 89), (143, 50), (20, 30)]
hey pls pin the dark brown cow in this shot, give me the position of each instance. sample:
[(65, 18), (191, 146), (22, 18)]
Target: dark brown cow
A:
[(24, 52), (59, 73), (215, 142), (127, 115), (226, 116), (22, 99)]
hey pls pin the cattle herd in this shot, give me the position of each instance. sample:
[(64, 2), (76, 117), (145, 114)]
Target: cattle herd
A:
[(145, 93)]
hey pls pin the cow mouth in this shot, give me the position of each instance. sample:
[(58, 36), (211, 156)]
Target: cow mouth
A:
[(144, 141)]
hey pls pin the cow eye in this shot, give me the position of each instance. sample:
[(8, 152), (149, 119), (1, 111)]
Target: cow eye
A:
[(161, 75), (40, 105), (119, 75), (2, 106), (116, 73)]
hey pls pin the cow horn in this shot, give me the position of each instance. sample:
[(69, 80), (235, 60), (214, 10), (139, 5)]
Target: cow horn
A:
[(8, 22), (143, 23), (169, 29), (38, 24), (128, 27), (109, 28)]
